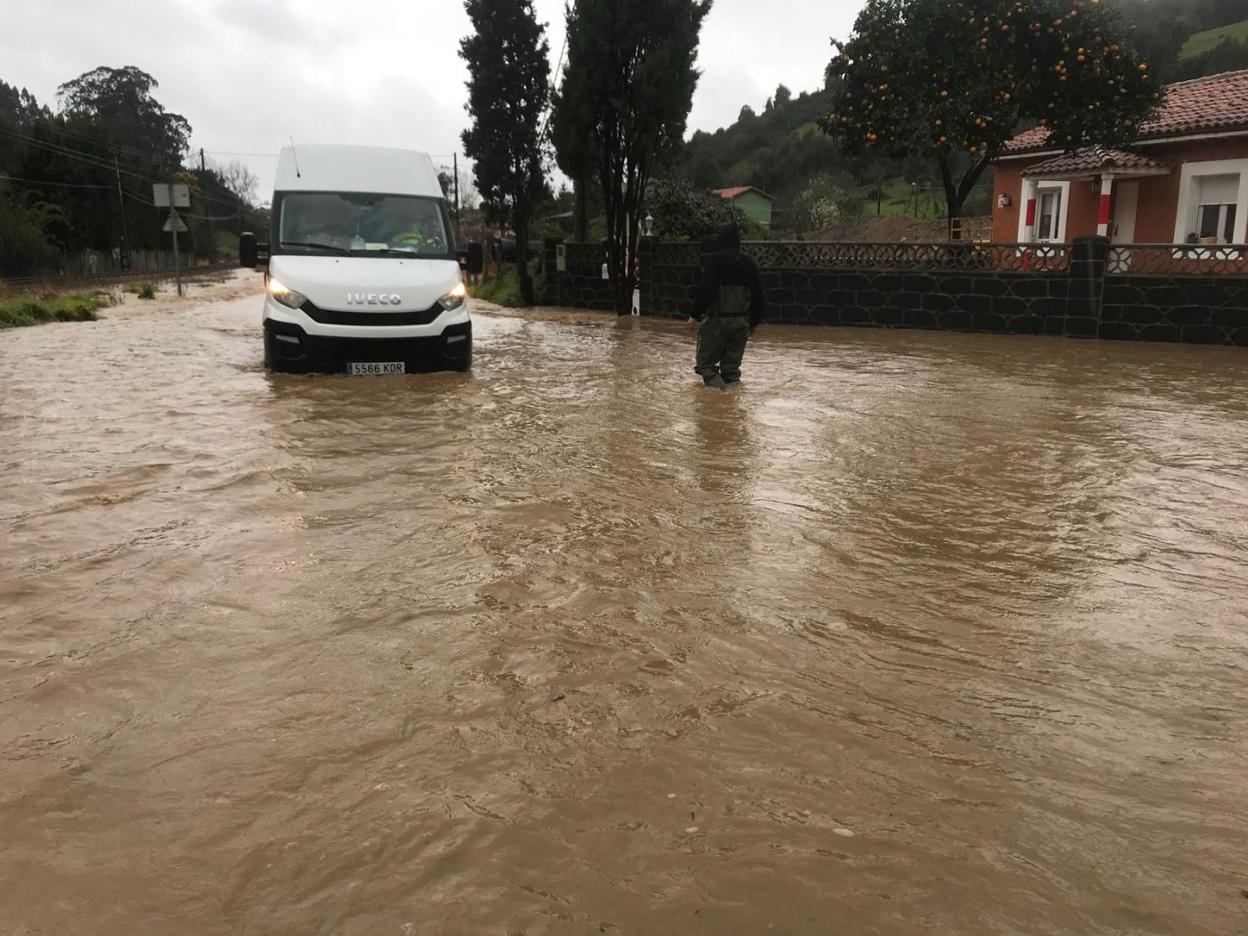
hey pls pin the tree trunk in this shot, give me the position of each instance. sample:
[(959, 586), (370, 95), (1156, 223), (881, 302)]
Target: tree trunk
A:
[(522, 259), (581, 222), (953, 203), (956, 193)]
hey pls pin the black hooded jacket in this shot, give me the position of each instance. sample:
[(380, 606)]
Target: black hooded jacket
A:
[(727, 266)]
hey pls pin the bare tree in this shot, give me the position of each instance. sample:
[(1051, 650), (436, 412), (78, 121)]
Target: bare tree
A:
[(240, 180)]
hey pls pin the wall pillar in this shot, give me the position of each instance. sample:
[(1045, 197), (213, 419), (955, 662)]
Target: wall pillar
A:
[(1107, 200), (1030, 191), (645, 275), (1089, 258)]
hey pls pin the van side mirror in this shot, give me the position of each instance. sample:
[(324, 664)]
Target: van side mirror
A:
[(472, 259), (248, 256)]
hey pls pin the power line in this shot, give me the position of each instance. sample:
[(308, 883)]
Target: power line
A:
[(69, 153), (9, 178), (111, 143), (555, 77), (226, 153), (97, 162), (196, 217)]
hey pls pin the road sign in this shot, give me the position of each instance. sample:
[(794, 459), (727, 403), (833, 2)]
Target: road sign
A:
[(171, 195), (174, 223)]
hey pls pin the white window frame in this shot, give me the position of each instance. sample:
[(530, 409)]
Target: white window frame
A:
[(1042, 186), (1187, 216)]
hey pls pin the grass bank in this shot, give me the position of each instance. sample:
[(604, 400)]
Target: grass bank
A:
[(17, 311), (504, 289), (1202, 42)]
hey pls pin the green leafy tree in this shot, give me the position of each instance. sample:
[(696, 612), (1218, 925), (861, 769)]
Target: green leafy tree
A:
[(683, 213), (120, 101), (623, 105), (956, 79), (574, 148), (508, 89), (26, 237)]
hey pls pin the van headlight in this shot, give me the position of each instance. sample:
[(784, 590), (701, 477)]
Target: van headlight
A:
[(287, 297), (455, 298)]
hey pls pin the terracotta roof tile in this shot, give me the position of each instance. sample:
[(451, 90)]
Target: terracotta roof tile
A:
[(1092, 159), (740, 190), (1202, 105)]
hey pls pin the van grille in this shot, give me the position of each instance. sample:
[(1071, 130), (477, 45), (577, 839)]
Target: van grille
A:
[(331, 317)]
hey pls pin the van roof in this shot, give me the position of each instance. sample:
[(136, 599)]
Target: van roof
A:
[(319, 167)]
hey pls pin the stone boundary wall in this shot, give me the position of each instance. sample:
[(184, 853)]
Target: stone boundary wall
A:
[(1070, 292), (1190, 309), (580, 285)]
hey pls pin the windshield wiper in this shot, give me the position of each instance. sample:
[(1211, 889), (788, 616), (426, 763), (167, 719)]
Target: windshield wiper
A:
[(338, 250)]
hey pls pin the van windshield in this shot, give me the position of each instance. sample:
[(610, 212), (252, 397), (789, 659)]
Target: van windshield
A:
[(369, 225)]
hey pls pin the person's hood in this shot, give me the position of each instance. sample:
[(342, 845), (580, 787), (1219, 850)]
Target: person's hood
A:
[(729, 238)]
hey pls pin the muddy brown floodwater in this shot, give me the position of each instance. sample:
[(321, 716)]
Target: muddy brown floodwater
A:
[(911, 633)]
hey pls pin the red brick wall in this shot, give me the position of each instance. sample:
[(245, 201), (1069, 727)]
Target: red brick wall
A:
[(1005, 220), (1085, 208), (1159, 195)]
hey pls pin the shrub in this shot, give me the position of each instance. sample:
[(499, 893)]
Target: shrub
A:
[(74, 307), (147, 291)]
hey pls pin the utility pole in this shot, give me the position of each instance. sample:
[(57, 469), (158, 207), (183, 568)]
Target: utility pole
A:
[(121, 200), (879, 194), (201, 160), (177, 263)]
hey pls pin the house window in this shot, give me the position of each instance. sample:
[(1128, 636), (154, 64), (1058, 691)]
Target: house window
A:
[(1217, 221), (1049, 199), (1048, 214), (1210, 203)]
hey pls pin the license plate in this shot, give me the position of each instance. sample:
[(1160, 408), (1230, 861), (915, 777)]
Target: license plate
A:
[(376, 368)]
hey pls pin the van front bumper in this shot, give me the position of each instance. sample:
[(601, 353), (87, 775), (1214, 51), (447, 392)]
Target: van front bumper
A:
[(289, 348)]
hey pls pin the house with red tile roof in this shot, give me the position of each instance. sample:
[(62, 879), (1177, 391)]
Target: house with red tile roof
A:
[(1184, 180), (753, 202)]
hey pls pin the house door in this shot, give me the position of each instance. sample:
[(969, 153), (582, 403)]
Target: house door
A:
[(1125, 209)]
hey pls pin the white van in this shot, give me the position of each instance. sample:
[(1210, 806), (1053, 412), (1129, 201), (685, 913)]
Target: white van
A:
[(362, 271)]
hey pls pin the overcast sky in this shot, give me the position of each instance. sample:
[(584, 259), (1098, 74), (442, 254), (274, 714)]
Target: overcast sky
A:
[(248, 74)]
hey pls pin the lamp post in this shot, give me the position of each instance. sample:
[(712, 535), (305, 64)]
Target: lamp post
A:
[(647, 225)]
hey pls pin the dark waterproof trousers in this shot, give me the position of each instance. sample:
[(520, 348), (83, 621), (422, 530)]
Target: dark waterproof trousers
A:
[(721, 346)]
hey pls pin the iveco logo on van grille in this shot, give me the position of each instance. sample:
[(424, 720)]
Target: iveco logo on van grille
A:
[(392, 299)]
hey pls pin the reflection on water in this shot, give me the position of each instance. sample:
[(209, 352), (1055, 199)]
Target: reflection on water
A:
[(572, 645)]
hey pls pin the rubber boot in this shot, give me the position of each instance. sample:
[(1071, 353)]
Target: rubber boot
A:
[(717, 382)]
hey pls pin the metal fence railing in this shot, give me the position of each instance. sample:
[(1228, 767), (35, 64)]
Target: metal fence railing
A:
[(805, 255), (1178, 259)]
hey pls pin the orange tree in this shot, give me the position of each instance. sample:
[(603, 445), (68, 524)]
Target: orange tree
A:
[(955, 79)]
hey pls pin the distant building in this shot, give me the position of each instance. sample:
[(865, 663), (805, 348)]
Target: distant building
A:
[(1185, 180), (754, 203)]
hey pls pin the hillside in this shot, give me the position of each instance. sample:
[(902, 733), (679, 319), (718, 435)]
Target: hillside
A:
[(1199, 43), (782, 151)]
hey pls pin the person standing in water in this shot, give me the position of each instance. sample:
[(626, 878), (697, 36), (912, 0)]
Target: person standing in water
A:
[(729, 305)]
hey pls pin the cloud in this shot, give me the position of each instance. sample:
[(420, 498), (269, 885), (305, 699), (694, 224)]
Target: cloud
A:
[(248, 74)]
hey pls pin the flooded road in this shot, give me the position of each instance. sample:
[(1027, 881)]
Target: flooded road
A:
[(910, 633)]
